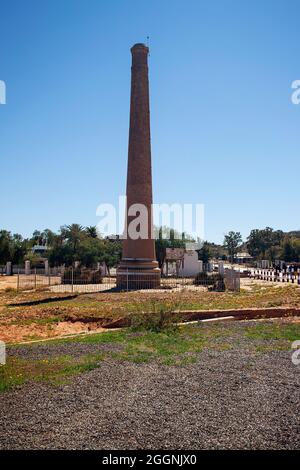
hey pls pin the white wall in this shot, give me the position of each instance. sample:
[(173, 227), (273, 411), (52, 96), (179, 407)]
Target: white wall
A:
[(191, 264)]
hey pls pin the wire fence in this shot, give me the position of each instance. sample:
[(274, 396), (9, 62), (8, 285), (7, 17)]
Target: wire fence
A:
[(89, 280)]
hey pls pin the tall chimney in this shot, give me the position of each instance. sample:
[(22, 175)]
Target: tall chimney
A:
[(138, 268)]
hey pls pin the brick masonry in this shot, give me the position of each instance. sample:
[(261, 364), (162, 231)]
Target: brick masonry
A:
[(138, 256)]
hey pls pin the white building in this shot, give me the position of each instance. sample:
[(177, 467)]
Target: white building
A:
[(187, 265), (190, 264)]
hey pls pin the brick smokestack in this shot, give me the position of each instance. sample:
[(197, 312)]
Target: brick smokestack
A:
[(139, 267)]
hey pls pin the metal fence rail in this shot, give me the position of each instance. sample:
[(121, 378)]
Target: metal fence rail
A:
[(84, 281)]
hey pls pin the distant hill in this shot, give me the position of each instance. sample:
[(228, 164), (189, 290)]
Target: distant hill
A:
[(294, 233)]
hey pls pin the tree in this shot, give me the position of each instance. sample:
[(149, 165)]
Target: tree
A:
[(12, 247), (231, 242), (44, 238), (73, 233), (204, 254), (76, 243), (260, 241), (37, 237), (112, 253), (5, 246), (92, 231), (90, 251), (288, 250), (296, 245), (49, 237), (60, 254), (19, 248), (272, 253)]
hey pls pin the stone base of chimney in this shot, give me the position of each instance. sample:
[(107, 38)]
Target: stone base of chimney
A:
[(138, 273)]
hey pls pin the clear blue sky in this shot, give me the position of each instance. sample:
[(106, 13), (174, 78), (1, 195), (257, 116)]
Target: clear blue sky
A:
[(224, 130)]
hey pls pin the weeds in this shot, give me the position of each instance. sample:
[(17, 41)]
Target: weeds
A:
[(155, 316)]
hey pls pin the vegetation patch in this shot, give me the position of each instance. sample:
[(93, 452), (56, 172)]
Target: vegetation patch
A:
[(274, 331), (165, 345), (55, 370), (123, 309)]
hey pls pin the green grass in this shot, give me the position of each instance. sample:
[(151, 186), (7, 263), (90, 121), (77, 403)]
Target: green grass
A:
[(54, 370), (179, 347), (267, 337), (273, 331), (138, 347)]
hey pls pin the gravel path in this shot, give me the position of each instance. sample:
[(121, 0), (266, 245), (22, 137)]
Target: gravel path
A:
[(48, 350), (231, 399)]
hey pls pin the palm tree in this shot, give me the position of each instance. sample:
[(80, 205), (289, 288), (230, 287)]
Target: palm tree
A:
[(74, 233), (92, 231)]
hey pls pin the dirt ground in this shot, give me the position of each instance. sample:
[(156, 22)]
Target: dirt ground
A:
[(32, 315), (8, 282)]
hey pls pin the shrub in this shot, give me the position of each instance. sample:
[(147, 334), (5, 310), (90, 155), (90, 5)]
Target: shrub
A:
[(215, 281), (203, 279), (155, 316), (219, 285), (81, 276)]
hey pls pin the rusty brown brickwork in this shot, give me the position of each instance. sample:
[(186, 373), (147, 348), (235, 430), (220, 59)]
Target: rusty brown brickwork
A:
[(139, 255)]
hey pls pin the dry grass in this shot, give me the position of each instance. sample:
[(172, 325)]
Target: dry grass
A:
[(89, 311)]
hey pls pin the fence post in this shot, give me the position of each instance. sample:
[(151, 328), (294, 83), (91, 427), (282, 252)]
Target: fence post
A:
[(72, 278), (9, 268), (238, 281), (49, 278), (27, 268), (127, 279), (46, 267), (35, 278), (18, 280)]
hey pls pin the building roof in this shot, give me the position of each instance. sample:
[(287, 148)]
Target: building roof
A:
[(39, 248), (243, 254)]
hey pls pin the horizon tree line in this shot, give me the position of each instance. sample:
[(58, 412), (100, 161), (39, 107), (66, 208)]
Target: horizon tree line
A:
[(77, 243)]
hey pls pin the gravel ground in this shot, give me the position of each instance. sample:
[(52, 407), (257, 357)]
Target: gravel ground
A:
[(231, 399), (48, 350)]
